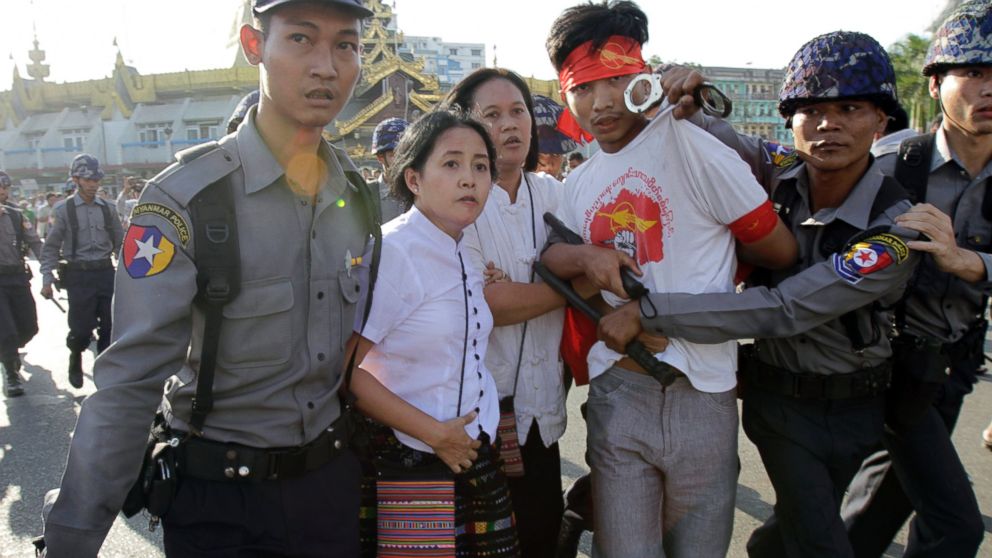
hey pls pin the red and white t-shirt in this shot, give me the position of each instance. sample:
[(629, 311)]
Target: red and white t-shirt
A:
[(667, 199)]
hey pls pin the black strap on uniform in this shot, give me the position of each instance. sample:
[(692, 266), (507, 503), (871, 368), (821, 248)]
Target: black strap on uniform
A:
[(913, 165), (17, 219), (218, 271), (70, 209), (370, 203)]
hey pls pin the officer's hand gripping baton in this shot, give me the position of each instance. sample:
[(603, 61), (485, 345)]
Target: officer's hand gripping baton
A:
[(661, 371)]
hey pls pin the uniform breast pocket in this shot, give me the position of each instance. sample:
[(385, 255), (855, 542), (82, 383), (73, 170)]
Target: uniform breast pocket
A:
[(979, 236), (257, 325)]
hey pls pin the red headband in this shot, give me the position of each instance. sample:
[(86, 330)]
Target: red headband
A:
[(619, 56)]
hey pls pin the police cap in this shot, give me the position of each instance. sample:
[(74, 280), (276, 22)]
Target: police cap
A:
[(356, 6), (5, 181)]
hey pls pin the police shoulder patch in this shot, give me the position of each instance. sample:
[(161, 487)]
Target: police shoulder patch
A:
[(167, 213), (895, 245), (779, 155), (146, 251), (861, 259)]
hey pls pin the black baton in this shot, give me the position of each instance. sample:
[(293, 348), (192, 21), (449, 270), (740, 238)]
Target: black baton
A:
[(661, 371)]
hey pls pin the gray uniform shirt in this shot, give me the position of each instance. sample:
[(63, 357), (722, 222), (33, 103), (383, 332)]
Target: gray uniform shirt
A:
[(10, 253), (941, 305), (96, 241), (280, 358), (796, 323)]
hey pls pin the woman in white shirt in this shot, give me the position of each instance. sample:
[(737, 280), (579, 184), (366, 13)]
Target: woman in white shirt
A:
[(428, 327), (523, 348)]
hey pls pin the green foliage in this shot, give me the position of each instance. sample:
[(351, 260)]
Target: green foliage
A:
[(907, 57)]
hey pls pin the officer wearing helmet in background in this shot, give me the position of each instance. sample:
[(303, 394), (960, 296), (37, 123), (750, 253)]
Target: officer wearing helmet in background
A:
[(385, 137), (241, 111), (552, 144), (941, 320), (813, 383), (85, 233), (18, 316)]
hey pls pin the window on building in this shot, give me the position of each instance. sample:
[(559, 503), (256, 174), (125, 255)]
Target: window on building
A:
[(476, 52), (152, 133), (74, 139), (201, 131), (34, 140), (476, 65), (453, 51)]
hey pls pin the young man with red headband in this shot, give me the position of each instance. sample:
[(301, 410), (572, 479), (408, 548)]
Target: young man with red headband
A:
[(670, 202)]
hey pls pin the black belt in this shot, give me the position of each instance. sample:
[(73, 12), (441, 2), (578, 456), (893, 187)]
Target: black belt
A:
[(867, 382), (12, 269), (217, 461), (90, 265)]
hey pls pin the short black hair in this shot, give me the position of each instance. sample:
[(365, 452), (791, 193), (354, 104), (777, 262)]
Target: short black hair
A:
[(462, 96), (417, 144), (576, 156), (597, 23)]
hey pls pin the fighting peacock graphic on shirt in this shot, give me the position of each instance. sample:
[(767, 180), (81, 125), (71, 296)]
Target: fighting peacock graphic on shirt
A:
[(631, 215)]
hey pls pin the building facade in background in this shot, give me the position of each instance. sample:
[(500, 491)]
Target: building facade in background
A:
[(136, 123), (754, 92)]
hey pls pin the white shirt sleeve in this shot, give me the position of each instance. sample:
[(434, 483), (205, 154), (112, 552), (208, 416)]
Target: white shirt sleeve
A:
[(398, 291)]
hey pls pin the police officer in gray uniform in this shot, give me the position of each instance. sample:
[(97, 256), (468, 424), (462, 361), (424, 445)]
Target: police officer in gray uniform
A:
[(18, 316), (813, 381), (941, 319), (269, 473), (85, 233)]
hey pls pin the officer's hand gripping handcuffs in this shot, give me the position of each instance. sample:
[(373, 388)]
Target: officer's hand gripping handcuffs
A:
[(644, 92)]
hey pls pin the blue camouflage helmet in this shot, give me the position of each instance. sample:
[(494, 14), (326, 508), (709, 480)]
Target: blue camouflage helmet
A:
[(839, 65), (86, 166), (387, 134), (5, 181), (964, 39), (357, 6), (549, 139), (241, 110)]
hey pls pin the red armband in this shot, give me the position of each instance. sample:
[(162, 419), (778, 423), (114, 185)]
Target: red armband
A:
[(756, 225)]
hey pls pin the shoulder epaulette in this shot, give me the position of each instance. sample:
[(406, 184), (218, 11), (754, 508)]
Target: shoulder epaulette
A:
[(194, 170)]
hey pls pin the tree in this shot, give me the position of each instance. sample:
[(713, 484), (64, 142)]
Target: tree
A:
[(907, 57)]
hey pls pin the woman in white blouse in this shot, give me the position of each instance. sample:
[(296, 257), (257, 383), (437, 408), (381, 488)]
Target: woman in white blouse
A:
[(428, 328), (523, 348)]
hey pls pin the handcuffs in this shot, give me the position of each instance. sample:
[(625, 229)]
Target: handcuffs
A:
[(644, 93)]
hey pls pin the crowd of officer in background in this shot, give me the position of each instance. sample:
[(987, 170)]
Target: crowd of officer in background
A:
[(858, 261)]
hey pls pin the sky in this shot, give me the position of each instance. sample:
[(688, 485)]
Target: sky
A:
[(177, 35)]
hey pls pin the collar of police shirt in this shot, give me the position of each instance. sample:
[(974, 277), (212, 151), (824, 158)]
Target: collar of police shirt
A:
[(856, 207), (261, 169), (943, 155)]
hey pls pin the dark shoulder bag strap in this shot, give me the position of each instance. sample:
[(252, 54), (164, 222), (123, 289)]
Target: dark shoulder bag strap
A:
[(17, 219), (70, 212), (108, 224), (913, 166), (372, 217), (218, 271)]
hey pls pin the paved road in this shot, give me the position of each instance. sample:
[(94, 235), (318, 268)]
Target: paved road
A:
[(35, 432)]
